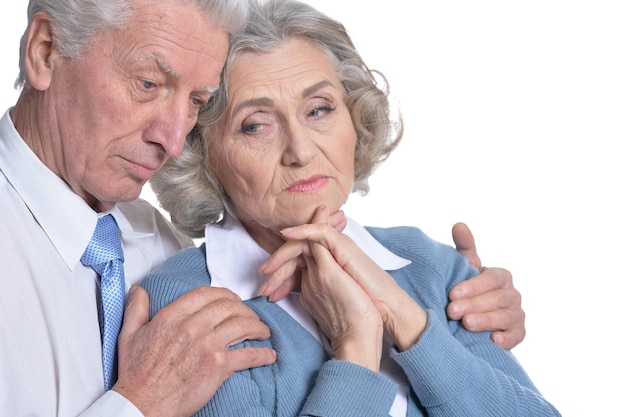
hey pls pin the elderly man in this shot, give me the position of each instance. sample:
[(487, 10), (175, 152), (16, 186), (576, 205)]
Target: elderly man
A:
[(110, 89)]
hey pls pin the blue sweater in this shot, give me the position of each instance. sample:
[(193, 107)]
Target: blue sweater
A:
[(451, 371)]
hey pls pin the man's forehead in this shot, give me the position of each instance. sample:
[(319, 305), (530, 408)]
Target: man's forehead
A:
[(165, 67)]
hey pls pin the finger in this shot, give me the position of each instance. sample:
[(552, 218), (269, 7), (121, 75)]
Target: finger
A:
[(342, 248), (288, 251), (321, 215), (285, 289), (198, 298), (503, 323), (284, 263), (294, 248), (510, 338), (288, 286), (338, 220), (286, 277), (206, 309), (249, 357), (323, 278), (489, 279), (464, 241), (505, 299), (136, 314), (497, 320), (231, 319), (242, 324), (304, 231), (321, 233)]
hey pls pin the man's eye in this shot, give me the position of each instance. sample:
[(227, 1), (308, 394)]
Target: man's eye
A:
[(148, 84), (198, 102)]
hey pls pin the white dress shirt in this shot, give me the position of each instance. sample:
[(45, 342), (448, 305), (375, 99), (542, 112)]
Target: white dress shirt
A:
[(233, 259), (50, 345)]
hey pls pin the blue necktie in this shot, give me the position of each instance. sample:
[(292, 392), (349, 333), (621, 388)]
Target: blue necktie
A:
[(104, 255)]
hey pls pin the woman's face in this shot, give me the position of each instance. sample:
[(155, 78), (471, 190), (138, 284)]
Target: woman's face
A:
[(287, 143)]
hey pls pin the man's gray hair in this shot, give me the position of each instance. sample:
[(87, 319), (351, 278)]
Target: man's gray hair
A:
[(77, 22)]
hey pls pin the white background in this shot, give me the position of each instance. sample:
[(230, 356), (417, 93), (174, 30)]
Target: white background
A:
[(515, 124)]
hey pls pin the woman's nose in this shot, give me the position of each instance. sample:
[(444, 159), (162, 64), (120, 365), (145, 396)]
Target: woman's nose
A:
[(300, 147)]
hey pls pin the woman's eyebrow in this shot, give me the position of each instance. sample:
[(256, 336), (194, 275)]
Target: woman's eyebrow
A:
[(317, 86), (254, 102)]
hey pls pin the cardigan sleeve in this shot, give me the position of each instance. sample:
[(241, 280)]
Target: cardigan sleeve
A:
[(468, 375), (341, 389), (455, 372)]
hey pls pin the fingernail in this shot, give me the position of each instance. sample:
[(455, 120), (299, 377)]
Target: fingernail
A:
[(471, 322), (287, 230), (455, 310), (457, 293)]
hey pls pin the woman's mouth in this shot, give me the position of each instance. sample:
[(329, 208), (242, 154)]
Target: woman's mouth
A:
[(309, 185)]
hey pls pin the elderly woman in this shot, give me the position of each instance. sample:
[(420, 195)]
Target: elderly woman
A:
[(367, 335)]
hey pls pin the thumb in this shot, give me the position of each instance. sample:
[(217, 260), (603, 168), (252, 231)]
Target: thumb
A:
[(136, 314), (321, 214), (464, 241)]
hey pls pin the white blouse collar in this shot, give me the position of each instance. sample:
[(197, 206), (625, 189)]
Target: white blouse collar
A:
[(233, 257)]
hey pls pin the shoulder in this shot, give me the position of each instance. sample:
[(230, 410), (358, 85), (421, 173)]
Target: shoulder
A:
[(411, 243), (177, 275), (431, 261)]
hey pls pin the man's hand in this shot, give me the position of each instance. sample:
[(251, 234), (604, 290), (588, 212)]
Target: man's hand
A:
[(487, 302), (173, 364)]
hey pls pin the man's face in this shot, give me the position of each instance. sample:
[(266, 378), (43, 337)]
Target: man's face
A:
[(116, 114)]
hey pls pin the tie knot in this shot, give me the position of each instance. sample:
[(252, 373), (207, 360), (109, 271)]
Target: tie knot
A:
[(105, 244)]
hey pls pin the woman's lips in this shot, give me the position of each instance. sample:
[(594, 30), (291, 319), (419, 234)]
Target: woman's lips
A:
[(309, 185)]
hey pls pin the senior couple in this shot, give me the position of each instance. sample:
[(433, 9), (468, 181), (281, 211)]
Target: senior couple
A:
[(337, 319)]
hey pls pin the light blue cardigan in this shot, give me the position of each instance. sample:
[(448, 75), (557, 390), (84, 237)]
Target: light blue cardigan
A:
[(451, 371)]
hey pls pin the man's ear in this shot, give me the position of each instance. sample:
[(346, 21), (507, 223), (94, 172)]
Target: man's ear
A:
[(39, 51)]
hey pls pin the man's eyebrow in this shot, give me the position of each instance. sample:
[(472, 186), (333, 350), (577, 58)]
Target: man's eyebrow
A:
[(176, 75), (210, 90), (165, 67)]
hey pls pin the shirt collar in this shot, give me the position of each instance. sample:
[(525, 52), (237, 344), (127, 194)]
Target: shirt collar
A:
[(233, 257), (64, 216)]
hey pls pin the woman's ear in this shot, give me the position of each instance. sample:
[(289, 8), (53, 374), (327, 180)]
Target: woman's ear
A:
[(39, 48)]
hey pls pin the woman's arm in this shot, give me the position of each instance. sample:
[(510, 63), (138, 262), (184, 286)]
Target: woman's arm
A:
[(486, 302), (479, 378)]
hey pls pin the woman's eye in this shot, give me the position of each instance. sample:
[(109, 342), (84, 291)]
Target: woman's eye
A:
[(320, 111), (251, 127)]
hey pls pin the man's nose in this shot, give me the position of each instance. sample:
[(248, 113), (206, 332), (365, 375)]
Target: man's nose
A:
[(171, 126)]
